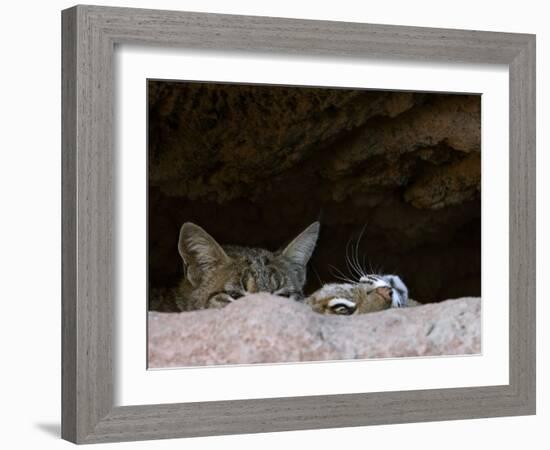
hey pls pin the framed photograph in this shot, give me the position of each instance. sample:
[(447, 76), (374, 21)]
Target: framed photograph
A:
[(277, 224)]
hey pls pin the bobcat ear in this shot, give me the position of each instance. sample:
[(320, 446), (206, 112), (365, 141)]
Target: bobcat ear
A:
[(301, 248), (199, 251)]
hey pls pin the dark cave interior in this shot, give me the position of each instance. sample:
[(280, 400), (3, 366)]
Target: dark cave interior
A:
[(255, 164)]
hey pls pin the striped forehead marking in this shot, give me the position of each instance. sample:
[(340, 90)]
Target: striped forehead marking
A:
[(373, 279)]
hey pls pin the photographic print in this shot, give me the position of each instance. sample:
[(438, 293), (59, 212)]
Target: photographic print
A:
[(297, 223), (295, 231)]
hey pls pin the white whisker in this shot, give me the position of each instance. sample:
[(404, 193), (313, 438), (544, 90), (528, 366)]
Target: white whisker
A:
[(349, 261), (356, 253), (317, 275), (365, 264), (339, 275)]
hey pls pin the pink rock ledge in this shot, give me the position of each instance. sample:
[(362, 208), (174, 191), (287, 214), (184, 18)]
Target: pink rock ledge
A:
[(262, 328)]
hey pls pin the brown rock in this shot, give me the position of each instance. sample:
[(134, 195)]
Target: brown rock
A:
[(444, 125), (449, 185), (266, 329), (215, 141)]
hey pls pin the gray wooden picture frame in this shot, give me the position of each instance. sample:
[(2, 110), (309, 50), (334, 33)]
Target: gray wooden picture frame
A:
[(89, 37)]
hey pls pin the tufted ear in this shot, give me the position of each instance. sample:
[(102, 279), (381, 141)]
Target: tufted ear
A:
[(200, 251), (301, 248)]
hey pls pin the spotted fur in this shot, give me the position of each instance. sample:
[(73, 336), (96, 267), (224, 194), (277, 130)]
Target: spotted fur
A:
[(370, 294), (216, 276), (349, 298)]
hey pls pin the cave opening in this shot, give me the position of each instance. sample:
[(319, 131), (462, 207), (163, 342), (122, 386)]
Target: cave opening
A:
[(255, 164)]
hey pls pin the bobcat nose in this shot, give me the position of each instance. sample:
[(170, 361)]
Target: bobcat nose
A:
[(386, 292)]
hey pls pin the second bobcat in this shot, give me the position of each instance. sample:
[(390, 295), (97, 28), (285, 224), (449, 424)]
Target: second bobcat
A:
[(216, 276)]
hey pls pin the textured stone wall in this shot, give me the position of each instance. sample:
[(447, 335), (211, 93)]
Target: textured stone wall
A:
[(266, 329), (254, 165)]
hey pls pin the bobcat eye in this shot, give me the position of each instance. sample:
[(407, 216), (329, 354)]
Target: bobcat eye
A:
[(287, 294), (342, 306), (343, 310), (234, 294)]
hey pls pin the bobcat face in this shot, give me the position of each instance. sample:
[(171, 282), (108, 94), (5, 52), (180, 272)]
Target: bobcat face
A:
[(216, 276), (350, 298), (372, 293)]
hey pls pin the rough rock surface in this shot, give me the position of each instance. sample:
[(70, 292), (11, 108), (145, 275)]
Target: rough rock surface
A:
[(216, 142), (266, 329), (256, 164)]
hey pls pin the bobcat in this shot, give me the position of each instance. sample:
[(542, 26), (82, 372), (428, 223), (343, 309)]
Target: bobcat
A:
[(216, 276), (371, 293), (362, 292)]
